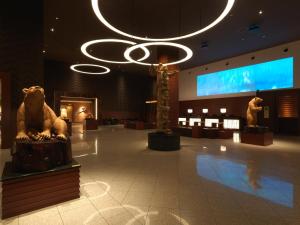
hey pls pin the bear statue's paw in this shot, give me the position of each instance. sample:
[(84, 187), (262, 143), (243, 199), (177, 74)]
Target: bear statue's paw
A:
[(61, 137), (22, 136), (45, 135)]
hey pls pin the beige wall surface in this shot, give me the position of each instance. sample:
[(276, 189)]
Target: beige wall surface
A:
[(188, 82)]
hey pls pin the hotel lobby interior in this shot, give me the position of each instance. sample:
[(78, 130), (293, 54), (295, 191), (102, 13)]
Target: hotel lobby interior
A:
[(150, 112)]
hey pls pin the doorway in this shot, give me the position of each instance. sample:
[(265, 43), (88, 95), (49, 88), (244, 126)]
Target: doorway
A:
[(77, 109)]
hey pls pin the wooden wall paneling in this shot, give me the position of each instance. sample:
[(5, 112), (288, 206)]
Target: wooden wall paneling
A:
[(237, 106), (117, 92), (6, 131)]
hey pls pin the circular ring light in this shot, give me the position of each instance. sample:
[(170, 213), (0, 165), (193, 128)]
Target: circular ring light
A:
[(189, 52), (98, 13), (87, 44), (74, 68)]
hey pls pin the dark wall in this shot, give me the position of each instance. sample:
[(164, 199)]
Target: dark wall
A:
[(21, 44), (237, 106), (120, 95)]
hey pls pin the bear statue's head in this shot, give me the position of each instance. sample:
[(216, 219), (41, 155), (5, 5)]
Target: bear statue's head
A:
[(258, 100), (34, 97)]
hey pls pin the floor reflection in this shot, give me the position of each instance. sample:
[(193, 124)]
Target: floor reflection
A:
[(245, 177), (84, 148), (211, 182)]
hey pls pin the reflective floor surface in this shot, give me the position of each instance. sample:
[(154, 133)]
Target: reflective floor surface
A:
[(207, 182)]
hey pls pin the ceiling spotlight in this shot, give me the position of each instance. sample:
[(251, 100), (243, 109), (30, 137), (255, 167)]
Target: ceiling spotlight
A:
[(44, 51), (204, 44), (88, 44), (74, 68), (52, 29), (57, 18), (260, 12), (98, 13), (189, 52)]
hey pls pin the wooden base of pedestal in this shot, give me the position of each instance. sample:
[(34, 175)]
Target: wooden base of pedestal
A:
[(263, 139), (22, 193)]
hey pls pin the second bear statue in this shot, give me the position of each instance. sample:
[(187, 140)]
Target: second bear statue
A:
[(252, 110)]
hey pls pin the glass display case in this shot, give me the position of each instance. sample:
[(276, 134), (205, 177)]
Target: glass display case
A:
[(233, 124), (182, 121), (192, 121), (209, 122)]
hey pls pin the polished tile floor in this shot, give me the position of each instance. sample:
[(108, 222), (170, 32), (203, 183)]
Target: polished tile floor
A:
[(207, 182)]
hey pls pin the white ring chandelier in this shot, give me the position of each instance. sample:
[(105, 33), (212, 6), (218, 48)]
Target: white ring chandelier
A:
[(189, 52), (89, 43), (106, 70), (98, 13)]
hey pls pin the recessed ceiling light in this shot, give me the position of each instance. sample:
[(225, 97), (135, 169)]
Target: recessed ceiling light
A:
[(89, 43), (260, 12), (189, 52), (52, 29), (44, 51), (74, 68), (98, 13), (57, 18)]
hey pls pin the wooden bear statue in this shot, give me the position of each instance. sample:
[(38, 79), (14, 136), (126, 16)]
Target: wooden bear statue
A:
[(36, 120), (252, 110)]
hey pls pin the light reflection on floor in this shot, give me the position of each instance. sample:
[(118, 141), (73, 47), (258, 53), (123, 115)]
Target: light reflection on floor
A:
[(244, 177), (207, 182)]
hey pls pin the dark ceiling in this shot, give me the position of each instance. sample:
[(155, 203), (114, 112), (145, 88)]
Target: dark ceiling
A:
[(74, 23)]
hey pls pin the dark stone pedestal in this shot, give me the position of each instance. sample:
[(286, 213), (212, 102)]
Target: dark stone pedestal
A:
[(35, 156), (163, 142), (90, 124), (211, 133), (25, 192), (257, 136), (197, 132)]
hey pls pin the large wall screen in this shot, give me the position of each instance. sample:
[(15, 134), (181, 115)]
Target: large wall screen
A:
[(264, 76)]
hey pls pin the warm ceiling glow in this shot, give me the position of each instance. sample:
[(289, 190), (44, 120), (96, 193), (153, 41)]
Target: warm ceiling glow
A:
[(223, 110), (98, 13), (204, 110), (151, 102), (190, 111), (188, 51), (87, 44), (73, 67)]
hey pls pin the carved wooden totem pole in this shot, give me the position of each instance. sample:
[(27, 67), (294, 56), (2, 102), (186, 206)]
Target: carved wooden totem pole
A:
[(163, 108)]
